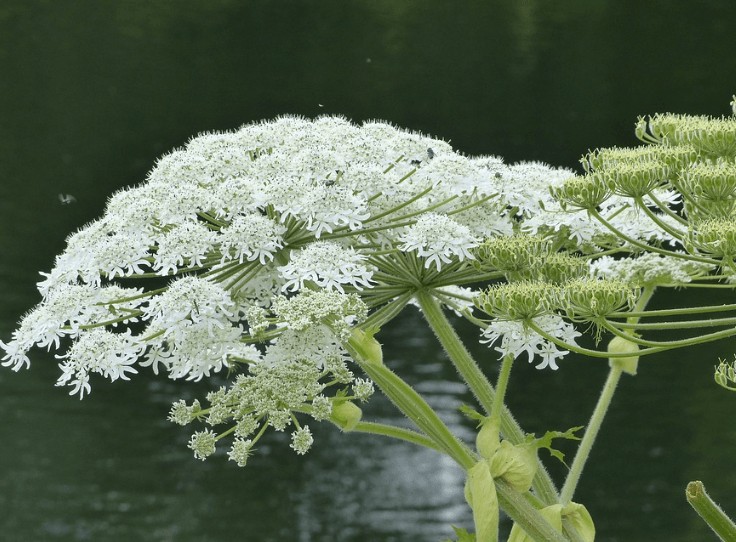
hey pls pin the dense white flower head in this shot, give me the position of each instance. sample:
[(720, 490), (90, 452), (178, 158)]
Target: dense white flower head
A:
[(267, 246)]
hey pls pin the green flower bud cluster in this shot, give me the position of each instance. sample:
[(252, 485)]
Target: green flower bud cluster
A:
[(593, 299), (672, 157), (715, 237), (512, 255), (587, 192), (711, 187), (660, 128), (725, 375), (636, 179), (711, 137), (559, 268), (522, 300)]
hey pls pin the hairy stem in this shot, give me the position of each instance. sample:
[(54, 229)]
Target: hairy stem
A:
[(479, 385)]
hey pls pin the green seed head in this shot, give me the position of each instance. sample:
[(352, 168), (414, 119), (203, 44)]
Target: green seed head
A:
[(521, 300), (710, 136), (594, 299), (559, 268), (607, 159), (712, 187), (714, 237), (636, 179), (512, 255), (586, 192)]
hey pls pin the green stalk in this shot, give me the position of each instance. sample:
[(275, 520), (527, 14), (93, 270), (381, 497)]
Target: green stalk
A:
[(501, 385), (710, 512), (591, 432), (525, 515), (399, 433), (646, 247), (479, 385), (366, 351), (599, 413)]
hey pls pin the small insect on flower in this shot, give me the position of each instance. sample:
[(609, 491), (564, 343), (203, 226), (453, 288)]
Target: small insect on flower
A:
[(66, 199)]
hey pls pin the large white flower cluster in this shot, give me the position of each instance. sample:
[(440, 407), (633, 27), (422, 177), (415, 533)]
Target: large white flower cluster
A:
[(236, 225), (237, 219)]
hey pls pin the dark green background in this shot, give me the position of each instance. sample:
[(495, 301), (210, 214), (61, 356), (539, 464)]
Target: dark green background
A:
[(92, 92)]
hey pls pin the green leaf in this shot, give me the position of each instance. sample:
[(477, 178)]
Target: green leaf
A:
[(546, 441), (472, 414)]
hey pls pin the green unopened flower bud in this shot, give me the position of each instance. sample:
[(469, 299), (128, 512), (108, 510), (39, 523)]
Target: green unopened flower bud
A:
[(585, 193), (636, 179), (346, 415), (725, 375), (513, 255), (552, 513), (579, 518), (488, 440), (594, 299), (521, 300), (516, 464), (366, 345), (619, 345)]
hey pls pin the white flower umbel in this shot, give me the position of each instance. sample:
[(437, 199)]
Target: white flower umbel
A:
[(649, 269), (517, 339), (251, 237), (98, 351), (244, 225), (183, 246), (328, 265), (438, 239)]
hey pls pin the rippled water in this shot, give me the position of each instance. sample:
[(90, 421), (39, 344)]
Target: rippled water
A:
[(94, 90)]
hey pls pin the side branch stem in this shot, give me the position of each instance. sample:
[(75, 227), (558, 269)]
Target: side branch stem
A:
[(479, 385)]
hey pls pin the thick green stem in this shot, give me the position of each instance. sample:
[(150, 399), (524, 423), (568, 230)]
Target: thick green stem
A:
[(366, 351), (479, 385), (710, 512), (525, 515)]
